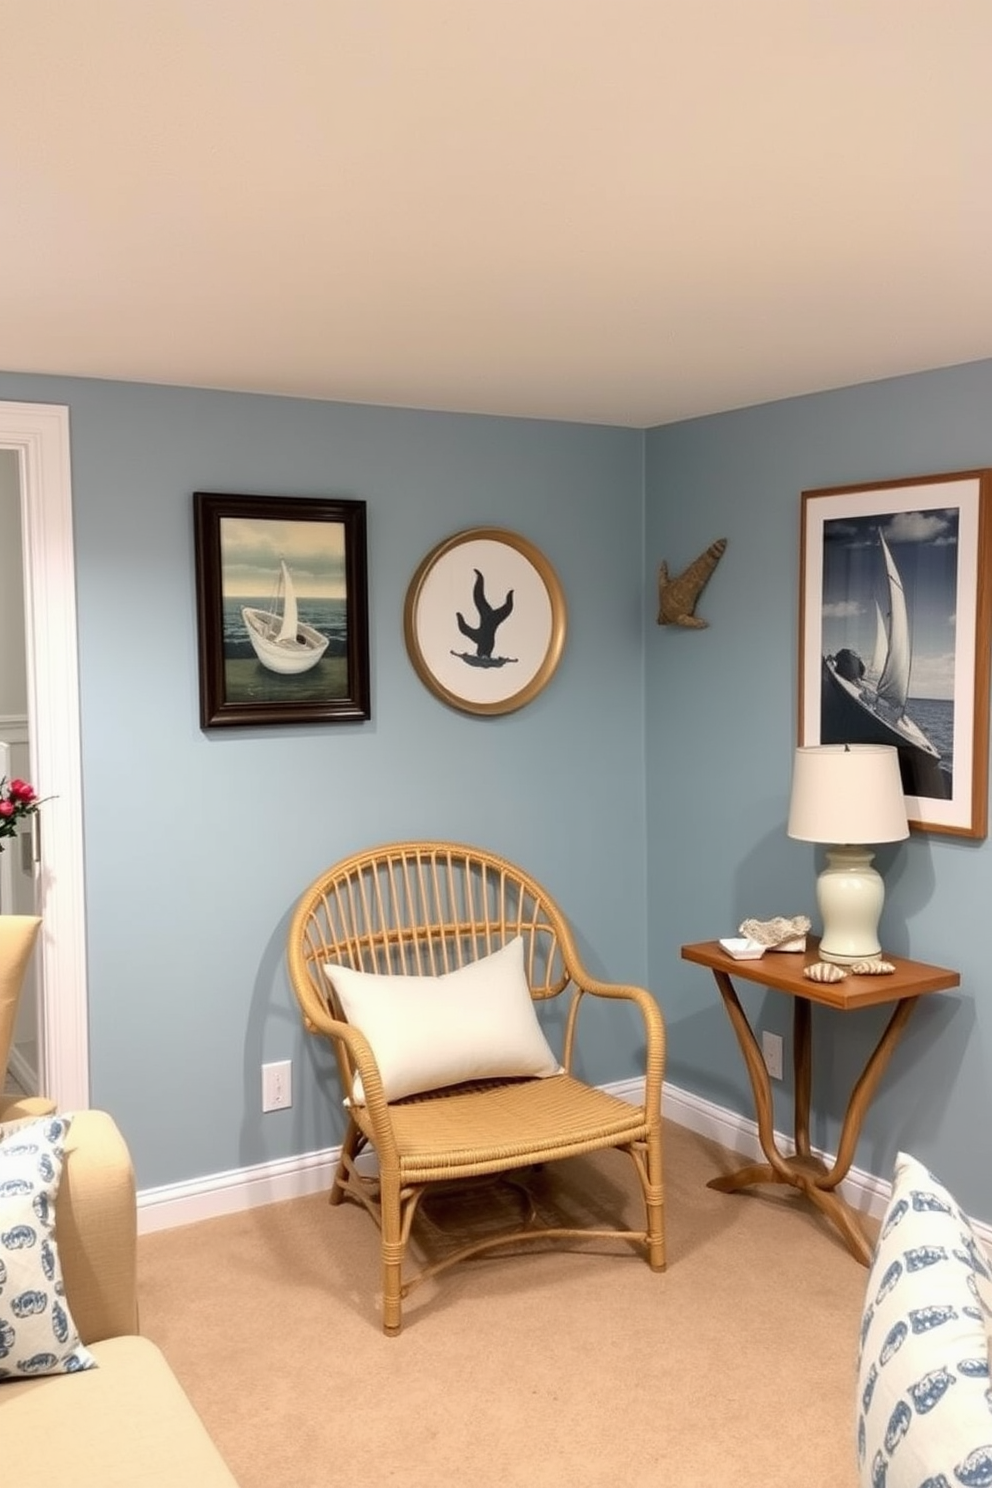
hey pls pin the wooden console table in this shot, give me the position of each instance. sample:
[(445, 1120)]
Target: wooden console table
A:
[(783, 971)]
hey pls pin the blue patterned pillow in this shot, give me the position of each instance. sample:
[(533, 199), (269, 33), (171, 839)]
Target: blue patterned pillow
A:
[(37, 1334), (924, 1406)]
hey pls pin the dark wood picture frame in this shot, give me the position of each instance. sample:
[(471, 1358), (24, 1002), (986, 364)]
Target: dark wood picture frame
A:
[(282, 609), (894, 634)]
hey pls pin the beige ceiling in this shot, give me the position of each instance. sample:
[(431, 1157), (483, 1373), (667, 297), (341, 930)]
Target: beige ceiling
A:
[(618, 211)]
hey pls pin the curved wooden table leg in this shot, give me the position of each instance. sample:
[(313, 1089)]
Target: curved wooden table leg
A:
[(862, 1093), (761, 1087), (802, 1064), (805, 1170), (744, 1178), (843, 1218), (820, 1187)]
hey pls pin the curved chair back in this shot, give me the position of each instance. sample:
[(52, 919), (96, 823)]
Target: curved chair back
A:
[(423, 909)]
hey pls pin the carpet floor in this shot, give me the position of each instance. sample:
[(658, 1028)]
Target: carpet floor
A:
[(575, 1368)]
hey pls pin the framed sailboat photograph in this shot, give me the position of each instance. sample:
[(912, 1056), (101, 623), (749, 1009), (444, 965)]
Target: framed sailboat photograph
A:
[(282, 609), (894, 627)]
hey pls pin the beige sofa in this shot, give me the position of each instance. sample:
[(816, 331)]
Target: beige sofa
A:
[(127, 1423)]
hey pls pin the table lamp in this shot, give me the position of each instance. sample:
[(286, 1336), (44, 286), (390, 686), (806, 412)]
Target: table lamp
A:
[(848, 795)]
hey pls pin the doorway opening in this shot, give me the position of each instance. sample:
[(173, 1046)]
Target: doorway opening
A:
[(38, 433)]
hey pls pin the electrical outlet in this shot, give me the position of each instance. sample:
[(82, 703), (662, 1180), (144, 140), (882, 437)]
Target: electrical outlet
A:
[(277, 1085), (771, 1048)]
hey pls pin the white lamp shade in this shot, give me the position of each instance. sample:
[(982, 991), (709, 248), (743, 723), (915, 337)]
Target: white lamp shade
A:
[(847, 793)]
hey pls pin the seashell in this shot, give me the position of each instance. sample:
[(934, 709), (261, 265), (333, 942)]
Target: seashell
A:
[(872, 968), (824, 971), (778, 934)]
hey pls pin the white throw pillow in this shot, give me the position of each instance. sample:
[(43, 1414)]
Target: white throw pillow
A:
[(37, 1333), (426, 1032), (924, 1405)]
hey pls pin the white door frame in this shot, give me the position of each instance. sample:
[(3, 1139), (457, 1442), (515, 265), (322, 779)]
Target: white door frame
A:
[(39, 432)]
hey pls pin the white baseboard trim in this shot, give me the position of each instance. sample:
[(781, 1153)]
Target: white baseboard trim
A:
[(176, 1204), (216, 1194)]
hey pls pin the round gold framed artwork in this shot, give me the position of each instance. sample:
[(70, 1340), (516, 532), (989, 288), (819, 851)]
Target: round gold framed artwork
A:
[(484, 621)]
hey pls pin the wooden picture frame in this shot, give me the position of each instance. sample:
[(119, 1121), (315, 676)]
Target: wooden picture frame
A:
[(894, 627), (282, 610), (485, 621)]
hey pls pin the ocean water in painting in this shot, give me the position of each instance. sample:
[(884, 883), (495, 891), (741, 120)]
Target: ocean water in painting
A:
[(329, 616), (935, 717), (246, 680)]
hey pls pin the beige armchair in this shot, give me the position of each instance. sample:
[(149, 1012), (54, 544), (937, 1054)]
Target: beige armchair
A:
[(18, 934), (127, 1423), (422, 963)]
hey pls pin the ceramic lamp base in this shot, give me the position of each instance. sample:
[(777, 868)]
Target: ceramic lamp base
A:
[(850, 894)]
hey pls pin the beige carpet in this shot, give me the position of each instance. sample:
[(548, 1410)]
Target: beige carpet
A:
[(578, 1370)]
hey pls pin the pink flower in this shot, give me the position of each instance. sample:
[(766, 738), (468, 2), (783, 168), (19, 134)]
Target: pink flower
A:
[(18, 800)]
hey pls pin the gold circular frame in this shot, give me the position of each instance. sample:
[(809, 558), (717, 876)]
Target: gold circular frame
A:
[(443, 587)]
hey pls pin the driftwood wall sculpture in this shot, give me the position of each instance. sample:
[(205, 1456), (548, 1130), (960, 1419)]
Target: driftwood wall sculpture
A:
[(677, 597)]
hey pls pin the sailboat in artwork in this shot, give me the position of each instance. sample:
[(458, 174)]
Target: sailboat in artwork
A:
[(867, 705), (282, 641)]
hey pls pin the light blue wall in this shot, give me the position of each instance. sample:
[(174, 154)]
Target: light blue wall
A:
[(647, 786), (197, 844), (721, 709)]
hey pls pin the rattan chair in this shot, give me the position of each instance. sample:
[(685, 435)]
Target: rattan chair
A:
[(424, 909)]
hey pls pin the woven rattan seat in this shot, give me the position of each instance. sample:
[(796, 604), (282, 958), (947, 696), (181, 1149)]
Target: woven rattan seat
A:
[(423, 909)]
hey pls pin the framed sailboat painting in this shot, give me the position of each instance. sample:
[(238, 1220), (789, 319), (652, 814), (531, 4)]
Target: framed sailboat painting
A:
[(894, 632), (282, 609)]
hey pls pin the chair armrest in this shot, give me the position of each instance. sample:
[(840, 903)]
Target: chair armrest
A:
[(96, 1228), (654, 1027), (359, 1050), (25, 1107)]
